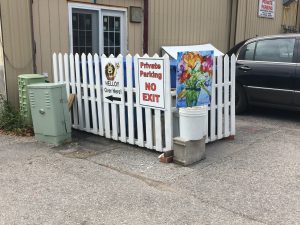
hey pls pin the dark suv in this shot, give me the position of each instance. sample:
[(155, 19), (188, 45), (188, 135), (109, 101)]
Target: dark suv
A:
[(268, 72)]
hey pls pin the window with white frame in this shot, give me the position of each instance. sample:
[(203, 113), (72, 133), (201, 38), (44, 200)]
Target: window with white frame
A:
[(97, 29)]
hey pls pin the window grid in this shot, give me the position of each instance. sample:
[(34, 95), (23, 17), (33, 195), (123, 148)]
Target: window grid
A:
[(111, 35), (82, 33)]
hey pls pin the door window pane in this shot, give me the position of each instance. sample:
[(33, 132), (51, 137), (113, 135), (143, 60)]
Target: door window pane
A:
[(75, 37), (82, 38), (117, 51), (277, 50), (111, 23), (111, 40), (117, 23), (85, 31), (111, 35), (117, 39), (247, 52), (81, 21), (88, 22), (106, 51), (106, 39), (88, 38), (75, 20), (105, 23), (112, 50)]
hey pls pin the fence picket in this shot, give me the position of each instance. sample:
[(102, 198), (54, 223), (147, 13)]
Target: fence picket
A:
[(213, 104), (220, 98), (139, 111), (232, 98), (55, 68), (106, 110), (168, 105), (73, 90), (61, 68), (85, 93), (79, 94), (67, 73), (99, 95), (226, 96), (92, 93), (158, 133), (115, 117), (149, 131), (130, 107), (122, 107)]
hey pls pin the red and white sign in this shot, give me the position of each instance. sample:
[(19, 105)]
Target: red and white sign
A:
[(266, 8), (151, 80)]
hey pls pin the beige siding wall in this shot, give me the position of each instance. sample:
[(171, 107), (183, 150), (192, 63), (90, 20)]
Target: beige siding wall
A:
[(17, 42), (51, 30), (289, 17), (177, 22), (249, 24)]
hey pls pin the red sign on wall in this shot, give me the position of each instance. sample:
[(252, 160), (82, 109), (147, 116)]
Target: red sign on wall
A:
[(266, 8)]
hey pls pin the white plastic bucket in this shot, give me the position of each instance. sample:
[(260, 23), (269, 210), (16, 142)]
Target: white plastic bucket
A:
[(192, 122)]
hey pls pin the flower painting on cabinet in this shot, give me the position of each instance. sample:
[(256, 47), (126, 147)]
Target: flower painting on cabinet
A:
[(194, 78)]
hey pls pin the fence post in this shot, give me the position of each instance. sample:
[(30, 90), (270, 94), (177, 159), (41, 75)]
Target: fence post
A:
[(139, 111), (226, 96), (149, 124), (168, 105), (213, 103), (232, 99), (122, 105), (129, 74), (220, 97)]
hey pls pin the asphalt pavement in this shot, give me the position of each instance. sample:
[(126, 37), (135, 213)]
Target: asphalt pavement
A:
[(253, 179)]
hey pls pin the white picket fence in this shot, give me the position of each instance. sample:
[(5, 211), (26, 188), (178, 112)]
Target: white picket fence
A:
[(130, 122)]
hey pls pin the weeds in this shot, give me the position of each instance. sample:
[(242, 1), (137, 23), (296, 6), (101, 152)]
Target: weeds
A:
[(11, 121)]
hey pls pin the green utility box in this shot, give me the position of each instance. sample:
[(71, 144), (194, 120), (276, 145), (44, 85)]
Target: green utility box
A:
[(23, 81), (50, 114)]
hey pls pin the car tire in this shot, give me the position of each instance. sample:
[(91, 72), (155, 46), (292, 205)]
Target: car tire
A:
[(241, 103)]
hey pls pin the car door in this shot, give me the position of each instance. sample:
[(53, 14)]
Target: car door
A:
[(265, 68), (297, 78)]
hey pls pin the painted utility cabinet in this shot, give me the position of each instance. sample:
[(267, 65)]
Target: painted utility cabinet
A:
[(50, 114), (23, 81)]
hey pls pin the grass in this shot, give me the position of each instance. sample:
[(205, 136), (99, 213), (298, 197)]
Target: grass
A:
[(11, 121)]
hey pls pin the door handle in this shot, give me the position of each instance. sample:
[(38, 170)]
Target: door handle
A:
[(245, 68)]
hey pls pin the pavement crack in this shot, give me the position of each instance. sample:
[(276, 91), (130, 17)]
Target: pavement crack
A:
[(159, 185)]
